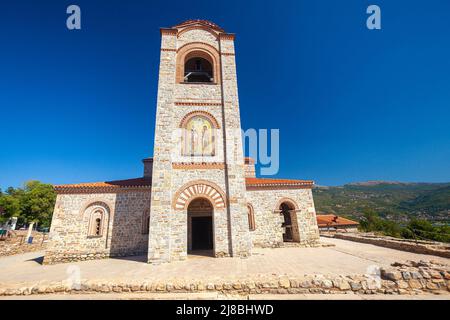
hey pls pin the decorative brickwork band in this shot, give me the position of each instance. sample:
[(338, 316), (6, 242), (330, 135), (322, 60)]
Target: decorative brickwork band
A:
[(205, 114), (199, 189), (202, 165), (227, 36), (168, 31), (197, 104)]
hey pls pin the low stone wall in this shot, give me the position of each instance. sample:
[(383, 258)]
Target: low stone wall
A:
[(52, 257), (402, 278), (16, 244), (304, 244), (422, 247)]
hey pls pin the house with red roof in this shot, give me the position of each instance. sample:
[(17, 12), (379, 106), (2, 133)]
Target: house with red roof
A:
[(332, 222)]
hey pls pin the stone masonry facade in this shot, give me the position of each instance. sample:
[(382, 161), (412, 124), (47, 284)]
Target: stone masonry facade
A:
[(198, 162)]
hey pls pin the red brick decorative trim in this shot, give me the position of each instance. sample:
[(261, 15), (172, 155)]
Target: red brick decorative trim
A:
[(93, 189), (200, 49), (197, 104), (205, 114), (227, 53), (277, 184), (199, 189), (277, 187), (289, 201), (168, 49), (248, 160), (208, 29), (198, 165), (137, 184), (168, 31), (193, 22), (227, 36), (99, 202), (198, 43)]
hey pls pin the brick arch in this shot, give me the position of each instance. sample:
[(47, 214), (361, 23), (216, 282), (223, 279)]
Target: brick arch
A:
[(204, 28), (199, 189), (206, 114), (89, 208), (288, 200), (97, 202), (201, 49), (198, 44)]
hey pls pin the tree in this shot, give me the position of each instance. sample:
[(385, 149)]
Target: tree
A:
[(9, 207), (372, 222), (423, 230), (37, 203)]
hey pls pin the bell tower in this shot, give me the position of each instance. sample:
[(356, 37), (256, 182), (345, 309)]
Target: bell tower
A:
[(198, 189)]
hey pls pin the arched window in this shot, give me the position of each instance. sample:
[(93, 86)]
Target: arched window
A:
[(146, 222), (198, 69), (251, 218), (198, 137), (96, 223)]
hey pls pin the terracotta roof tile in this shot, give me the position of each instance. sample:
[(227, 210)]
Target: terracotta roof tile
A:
[(264, 181), (198, 21), (117, 184), (256, 182), (331, 220), (147, 182)]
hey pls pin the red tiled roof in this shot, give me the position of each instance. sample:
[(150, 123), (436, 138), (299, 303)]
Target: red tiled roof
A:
[(331, 220), (253, 183), (262, 182), (117, 184), (198, 21)]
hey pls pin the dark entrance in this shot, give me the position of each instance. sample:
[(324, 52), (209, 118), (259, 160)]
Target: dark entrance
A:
[(200, 227), (202, 235), (286, 211)]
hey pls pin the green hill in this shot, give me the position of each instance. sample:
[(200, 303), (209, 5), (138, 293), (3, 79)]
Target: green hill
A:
[(392, 200)]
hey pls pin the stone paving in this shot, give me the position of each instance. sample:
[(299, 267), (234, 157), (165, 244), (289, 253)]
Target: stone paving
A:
[(219, 296), (345, 258)]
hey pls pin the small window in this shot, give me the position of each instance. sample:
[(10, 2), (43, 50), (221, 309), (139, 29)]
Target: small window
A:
[(198, 70), (96, 223)]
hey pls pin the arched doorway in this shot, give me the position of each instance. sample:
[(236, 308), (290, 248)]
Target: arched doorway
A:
[(200, 227), (291, 233)]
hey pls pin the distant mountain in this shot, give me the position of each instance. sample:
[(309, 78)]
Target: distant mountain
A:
[(374, 183), (391, 199)]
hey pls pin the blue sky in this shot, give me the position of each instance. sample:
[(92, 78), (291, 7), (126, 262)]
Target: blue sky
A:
[(351, 104)]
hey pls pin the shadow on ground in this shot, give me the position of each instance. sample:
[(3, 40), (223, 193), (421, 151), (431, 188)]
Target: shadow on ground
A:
[(38, 260)]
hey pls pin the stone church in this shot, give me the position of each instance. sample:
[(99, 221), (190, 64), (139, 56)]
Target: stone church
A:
[(198, 194)]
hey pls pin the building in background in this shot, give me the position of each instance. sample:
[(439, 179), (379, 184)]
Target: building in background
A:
[(331, 222)]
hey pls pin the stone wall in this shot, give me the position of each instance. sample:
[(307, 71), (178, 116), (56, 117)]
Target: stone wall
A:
[(403, 278), (235, 174), (16, 242), (122, 232), (160, 222), (268, 232), (422, 247), (250, 171)]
